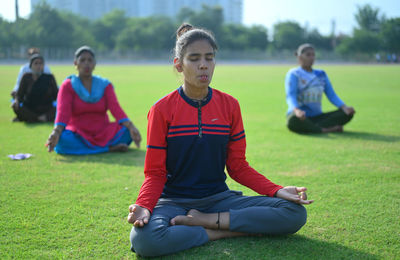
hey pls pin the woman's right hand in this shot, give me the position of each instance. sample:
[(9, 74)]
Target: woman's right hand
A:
[(300, 113), (134, 132), (15, 104), (53, 139), (294, 194), (138, 216)]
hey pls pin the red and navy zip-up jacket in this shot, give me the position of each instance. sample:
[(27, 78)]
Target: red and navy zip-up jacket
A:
[(188, 146)]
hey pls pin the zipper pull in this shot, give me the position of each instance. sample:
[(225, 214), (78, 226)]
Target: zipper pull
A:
[(199, 118)]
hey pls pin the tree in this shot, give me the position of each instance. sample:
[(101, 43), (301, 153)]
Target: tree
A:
[(366, 38), (233, 37), (82, 32), (153, 33), (363, 41), (6, 34), (257, 36), (368, 18), (288, 35), (210, 18), (366, 41), (390, 35), (319, 41), (47, 28), (106, 29), (184, 14)]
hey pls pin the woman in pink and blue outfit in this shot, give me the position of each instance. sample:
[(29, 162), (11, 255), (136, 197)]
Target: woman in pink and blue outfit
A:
[(82, 125)]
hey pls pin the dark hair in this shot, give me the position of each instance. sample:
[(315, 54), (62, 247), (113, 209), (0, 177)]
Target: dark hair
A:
[(83, 49), (302, 48), (187, 34), (35, 57)]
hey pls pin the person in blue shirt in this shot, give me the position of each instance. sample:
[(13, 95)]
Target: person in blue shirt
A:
[(304, 88)]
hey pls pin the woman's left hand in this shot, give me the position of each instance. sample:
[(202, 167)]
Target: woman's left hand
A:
[(348, 110), (295, 194)]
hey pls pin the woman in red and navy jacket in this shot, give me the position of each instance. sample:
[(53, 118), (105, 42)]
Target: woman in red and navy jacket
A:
[(193, 134)]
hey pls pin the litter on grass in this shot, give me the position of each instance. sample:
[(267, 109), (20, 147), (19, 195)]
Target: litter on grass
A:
[(20, 156)]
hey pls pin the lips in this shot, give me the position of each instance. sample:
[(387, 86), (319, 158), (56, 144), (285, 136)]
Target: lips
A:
[(203, 77)]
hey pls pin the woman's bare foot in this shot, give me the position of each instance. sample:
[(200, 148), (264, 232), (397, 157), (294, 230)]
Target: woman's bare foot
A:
[(197, 218), (119, 148), (209, 222), (332, 129)]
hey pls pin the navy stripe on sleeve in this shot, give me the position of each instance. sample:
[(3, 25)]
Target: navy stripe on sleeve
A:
[(157, 147), (237, 134), (237, 139)]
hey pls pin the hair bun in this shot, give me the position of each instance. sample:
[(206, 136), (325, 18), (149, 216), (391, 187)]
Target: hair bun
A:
[(185, 27)]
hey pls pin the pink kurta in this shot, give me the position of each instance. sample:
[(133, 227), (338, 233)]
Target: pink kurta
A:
[(89, 120)]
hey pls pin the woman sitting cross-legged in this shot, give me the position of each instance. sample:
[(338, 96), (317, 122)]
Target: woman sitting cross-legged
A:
[(36, 93), (82, 125), (193, 133), (304, 88)]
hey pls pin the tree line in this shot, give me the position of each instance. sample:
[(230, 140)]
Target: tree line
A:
[(48, 28)]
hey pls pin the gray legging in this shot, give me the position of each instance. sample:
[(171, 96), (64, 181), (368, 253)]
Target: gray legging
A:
[(248, 214)]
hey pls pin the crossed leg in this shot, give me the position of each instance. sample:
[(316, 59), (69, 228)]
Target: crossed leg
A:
[(215, 224)]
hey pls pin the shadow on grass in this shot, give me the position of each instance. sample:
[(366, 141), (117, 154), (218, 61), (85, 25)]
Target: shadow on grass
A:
[(35, 124), (357, 135), (267, 247), (133, 157), (368, 136)]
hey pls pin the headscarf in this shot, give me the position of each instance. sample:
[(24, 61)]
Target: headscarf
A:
[(34, 57)]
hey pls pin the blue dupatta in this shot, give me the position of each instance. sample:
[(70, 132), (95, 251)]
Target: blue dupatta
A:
[(99, 85)]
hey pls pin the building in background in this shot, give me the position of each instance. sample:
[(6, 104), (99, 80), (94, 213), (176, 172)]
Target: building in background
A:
[(94, 9)]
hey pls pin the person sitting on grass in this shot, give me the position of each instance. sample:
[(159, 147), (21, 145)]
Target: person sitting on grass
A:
[(193, 133), (82, 125), (304, 87), (35, 96), (27, 69)]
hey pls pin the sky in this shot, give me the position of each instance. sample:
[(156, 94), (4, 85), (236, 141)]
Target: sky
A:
[(310, 13), (313, 13)]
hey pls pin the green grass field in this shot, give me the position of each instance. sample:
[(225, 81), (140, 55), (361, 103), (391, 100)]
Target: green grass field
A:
[(54, 206)]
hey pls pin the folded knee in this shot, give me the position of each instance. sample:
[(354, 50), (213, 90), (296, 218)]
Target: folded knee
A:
[(349, 117), (298, 217), (294, 124), (144, 243), (291, 127), (151, 240)]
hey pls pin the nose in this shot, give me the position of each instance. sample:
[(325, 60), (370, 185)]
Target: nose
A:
[(203, 64)]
